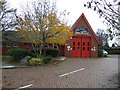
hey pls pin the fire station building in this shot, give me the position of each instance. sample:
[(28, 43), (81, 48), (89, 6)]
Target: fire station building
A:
[(84, 42)]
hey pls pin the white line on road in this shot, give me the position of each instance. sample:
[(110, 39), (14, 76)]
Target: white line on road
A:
[(71, 72), (24, 87)]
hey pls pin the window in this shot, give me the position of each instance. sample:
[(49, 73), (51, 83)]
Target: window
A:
[(8, 44), (78, 48), (73, 43), (46, 45), (15, 45), (73, 48), (50, 44), (88, 43), (88, 49), (55, 46), (83, 43), (83, 48), (78, 43)]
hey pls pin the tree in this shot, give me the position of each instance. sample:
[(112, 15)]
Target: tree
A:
[(42, 25), (110, 11), (7, 17), (113, 45), (103, 37)]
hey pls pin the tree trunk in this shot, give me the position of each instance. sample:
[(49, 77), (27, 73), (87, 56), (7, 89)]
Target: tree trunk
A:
[(44, 50)]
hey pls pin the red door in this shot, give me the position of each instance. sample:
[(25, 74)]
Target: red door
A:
[(81, 47), (86, 47), (76, 47)]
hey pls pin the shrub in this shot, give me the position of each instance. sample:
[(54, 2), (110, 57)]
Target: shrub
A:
[(7, 58), (100, 53), (18, 54), (115, 50), (51, 52), (47, 59), (36, 61)]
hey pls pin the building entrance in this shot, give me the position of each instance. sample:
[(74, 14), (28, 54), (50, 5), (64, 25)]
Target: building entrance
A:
[(81, 47)]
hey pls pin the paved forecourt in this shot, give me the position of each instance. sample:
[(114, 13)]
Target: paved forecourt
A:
[(72, 73)]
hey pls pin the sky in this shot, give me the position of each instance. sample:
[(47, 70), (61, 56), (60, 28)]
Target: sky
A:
[(75, 7)]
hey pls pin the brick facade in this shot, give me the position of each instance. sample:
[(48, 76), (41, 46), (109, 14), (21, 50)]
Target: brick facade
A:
[(68, 50), (83, 23)]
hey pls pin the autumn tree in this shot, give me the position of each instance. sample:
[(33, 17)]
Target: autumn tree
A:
[(110, 11), (7, 16), (41, 24)]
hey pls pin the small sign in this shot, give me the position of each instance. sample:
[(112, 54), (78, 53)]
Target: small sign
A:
[(70, 37), (81, 30), (68, 49), (92, 49), (68, 46)]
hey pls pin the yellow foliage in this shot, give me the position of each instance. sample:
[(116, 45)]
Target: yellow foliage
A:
[(55, 31)]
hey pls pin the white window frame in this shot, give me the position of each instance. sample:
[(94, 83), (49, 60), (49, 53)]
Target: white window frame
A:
[(54, 47), (8, 45), (15, 45), (46, 45)]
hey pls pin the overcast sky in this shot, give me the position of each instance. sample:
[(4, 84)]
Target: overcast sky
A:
[(75, 7)]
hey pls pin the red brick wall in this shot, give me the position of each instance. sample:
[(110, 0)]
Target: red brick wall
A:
[(94, 44), (68, 53), (5, 49), (61, 51), (82, 24)]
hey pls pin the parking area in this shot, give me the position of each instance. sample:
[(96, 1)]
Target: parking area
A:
[(71, 73)]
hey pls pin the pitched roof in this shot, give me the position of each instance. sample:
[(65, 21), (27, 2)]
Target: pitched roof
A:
[(78, 20), (10, 36)]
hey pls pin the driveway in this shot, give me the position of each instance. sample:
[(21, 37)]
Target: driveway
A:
[(72, 73)]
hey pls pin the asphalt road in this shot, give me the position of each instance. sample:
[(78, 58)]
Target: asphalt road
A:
[(71, 73)]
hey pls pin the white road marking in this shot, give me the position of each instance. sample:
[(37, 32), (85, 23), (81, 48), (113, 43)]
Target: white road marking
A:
[(71, 72), (23, 87)]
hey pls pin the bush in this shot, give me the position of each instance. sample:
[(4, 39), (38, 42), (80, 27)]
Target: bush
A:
[(100, 53), (18, 54), (115, 50), (51, 52), (47, 59), (36, 61), (7, 58)]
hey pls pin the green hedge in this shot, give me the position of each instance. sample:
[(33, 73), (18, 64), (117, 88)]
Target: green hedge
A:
[(111, 50), (18, 54)]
